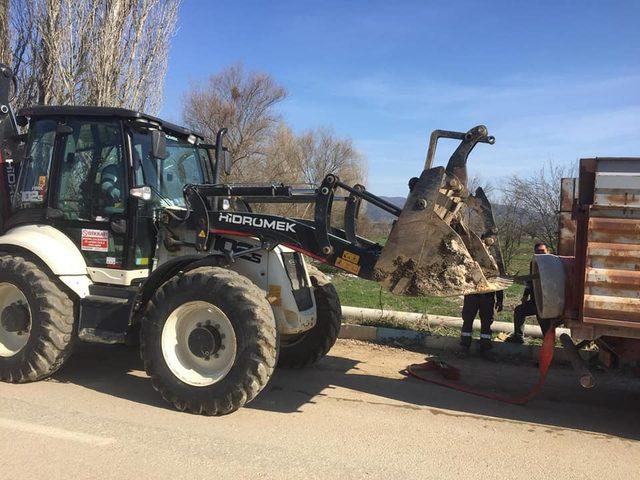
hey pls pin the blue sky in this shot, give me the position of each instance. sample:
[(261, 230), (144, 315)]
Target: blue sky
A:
[(553, 81)]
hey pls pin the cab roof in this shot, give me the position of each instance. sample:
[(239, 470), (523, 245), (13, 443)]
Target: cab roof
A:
[(90, 111)]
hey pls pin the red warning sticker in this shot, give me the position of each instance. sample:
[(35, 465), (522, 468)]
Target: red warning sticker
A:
[(94, 240)]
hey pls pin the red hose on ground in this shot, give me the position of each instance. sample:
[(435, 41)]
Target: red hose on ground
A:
[(448, 372)]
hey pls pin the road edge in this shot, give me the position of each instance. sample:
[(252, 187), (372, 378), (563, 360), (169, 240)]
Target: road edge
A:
[(439, 343)]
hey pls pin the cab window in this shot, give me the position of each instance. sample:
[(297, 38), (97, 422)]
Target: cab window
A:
[(184, 164), (34, 175), (91, 182)]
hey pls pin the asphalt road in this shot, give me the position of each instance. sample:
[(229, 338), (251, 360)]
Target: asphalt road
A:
[(352, 416)]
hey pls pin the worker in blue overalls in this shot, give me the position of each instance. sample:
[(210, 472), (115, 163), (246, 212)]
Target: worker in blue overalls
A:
[(484, 304)]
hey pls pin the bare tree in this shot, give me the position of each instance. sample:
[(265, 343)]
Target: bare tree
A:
[(306, 159), (131, 71), (24, 44), (245, 103), (263, 148), (282, 159), (5, 41), (476, 181), (98, 52), (510, 222), (322, 153), (536, 201)]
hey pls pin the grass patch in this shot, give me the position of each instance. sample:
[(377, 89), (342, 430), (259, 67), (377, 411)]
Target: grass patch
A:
[(357, 292)]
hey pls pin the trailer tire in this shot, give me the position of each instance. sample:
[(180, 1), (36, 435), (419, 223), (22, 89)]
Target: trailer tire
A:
[(549, 285), (243, 319), (43, 308), (309, 347)]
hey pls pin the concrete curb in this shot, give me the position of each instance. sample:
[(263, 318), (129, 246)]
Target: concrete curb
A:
[(440, 343), (360, 314)]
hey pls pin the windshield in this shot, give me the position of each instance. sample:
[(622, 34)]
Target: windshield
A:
[(35, 170), (184, 164)]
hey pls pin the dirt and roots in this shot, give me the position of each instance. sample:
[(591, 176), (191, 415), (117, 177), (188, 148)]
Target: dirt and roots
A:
[(451, 272)]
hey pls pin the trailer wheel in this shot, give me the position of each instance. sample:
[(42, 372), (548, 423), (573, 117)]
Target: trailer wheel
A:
[(549, 286), (298, 351), (208, 341), (36, 322)]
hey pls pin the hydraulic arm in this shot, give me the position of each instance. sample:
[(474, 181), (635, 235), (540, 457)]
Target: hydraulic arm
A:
[(430, 251)]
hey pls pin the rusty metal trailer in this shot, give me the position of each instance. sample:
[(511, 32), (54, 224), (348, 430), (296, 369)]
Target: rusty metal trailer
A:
[(593, 284)]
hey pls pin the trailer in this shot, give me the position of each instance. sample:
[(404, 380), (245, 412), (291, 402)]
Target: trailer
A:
[(593, 285)]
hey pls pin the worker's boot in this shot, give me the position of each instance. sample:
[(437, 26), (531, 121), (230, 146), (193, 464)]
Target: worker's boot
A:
[(465, 340), (484, 345), (515, 338)]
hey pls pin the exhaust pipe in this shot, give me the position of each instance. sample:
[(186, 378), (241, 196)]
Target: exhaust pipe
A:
[(587, 379)]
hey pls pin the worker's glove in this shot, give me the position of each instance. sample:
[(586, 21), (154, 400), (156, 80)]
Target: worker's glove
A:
[(499, 307)]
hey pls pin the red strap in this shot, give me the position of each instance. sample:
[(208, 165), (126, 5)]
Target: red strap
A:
[(544, 361)]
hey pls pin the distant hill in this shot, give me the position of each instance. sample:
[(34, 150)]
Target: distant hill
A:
[(377, 215)]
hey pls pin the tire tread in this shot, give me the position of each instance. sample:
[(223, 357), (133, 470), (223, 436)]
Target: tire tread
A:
[(319, 340), (249, 304), (52, 314)]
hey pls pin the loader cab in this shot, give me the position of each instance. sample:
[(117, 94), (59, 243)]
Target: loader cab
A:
[(80, 167)]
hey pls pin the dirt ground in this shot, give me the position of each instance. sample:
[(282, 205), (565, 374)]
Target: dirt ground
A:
[(351, 416)]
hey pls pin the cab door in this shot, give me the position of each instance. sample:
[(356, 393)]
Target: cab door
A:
[(185, 163), (90, 193)]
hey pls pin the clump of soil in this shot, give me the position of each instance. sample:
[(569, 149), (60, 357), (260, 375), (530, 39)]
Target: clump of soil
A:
[(450, 271)]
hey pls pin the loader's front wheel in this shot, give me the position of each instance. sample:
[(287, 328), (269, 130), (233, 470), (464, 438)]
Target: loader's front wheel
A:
[(208, 341), (305, 349), (36, 322)]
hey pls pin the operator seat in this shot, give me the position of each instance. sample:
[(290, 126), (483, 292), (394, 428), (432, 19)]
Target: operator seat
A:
[(111, 188)]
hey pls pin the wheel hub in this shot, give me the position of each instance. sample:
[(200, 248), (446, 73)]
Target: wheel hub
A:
[(15, 318), (205, 341), (199, 343)]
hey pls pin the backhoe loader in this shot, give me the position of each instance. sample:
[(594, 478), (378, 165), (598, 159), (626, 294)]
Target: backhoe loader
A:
[(117, 226)]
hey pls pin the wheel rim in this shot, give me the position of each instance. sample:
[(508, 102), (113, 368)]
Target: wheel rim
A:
[(199, 343), (15, 320)]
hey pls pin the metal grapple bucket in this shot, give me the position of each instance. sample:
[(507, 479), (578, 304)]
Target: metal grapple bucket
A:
[(431, 250)]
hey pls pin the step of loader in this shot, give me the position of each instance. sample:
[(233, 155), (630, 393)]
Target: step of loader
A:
[(104, 318)]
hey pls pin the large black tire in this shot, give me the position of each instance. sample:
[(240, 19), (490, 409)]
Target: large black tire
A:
[(251, 317), (309, 347), (51, 322)]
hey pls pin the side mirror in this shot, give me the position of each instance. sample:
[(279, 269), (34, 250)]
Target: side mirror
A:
[(226, 156), (143, 193), (158, 145)]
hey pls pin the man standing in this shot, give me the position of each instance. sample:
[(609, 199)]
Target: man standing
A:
[(484, 303), (527, 305)]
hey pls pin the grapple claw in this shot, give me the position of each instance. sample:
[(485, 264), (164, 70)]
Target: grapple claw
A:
[(431, 251)]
